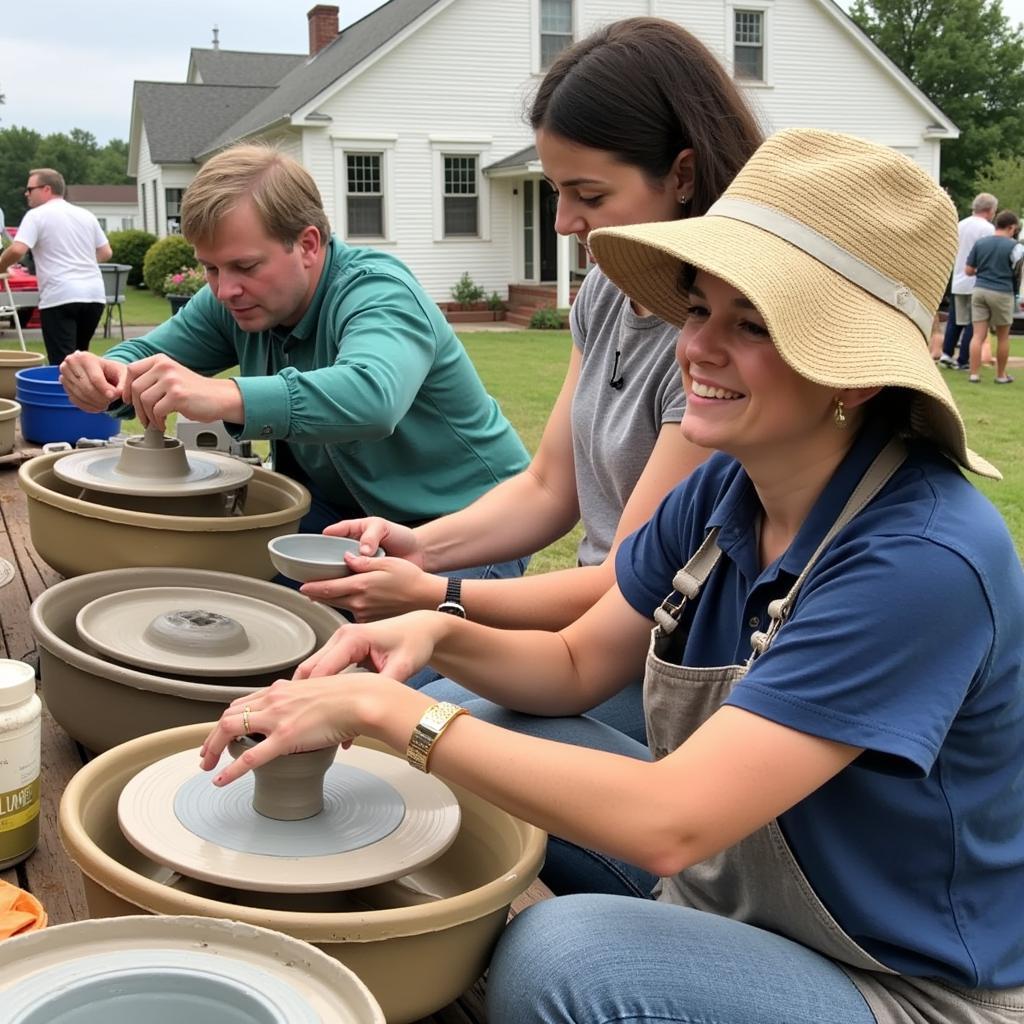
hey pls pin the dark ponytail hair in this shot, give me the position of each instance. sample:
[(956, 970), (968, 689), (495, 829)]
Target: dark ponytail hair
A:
[(644, 89)]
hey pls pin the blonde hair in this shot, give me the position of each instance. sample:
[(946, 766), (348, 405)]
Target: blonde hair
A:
[(48, 176), (283, 192)]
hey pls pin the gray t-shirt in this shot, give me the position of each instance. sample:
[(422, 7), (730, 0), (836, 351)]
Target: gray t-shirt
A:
[(614, 428)]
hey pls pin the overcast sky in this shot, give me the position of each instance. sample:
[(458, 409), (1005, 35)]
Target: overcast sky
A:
[(72, 64)]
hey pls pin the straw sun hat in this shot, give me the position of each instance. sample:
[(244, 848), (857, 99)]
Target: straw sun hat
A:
[(844, 247)]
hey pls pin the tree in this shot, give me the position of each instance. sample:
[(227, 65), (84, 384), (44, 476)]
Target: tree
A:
[(969, 60), (1004, 178), (76, 155)]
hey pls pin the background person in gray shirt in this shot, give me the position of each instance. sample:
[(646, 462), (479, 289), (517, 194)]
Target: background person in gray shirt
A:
[(992, 262)]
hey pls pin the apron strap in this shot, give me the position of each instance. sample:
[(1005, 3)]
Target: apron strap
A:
[(688, 581), (888, 460)]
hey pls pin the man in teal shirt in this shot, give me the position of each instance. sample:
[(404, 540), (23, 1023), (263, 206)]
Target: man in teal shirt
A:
[(345, 365)]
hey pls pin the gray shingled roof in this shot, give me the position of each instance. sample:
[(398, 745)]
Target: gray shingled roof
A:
[(241, 67), (317, 73), (181, 120), (524, 156)]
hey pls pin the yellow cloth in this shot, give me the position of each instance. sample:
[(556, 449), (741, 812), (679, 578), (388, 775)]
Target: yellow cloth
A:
[(20, 911)]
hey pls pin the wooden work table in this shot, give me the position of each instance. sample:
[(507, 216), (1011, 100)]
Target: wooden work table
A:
[(49, 874)]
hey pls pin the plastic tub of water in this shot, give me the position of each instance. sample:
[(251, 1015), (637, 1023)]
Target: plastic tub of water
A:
[(47, 414)]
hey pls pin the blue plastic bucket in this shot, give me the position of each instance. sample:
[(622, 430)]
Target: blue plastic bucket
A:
[(47, 413)]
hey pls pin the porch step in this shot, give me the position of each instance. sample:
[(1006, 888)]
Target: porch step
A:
[(535, 295), (520, 315)]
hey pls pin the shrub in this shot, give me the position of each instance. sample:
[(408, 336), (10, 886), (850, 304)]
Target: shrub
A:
[(547, 318), (130, 247), (465, 292), (186, 281), (167, 256), (496, 302)]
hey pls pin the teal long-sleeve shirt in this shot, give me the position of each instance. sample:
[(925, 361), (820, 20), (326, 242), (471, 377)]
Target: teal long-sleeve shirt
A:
[(371, 390)]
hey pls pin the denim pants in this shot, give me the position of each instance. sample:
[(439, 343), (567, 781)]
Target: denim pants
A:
[(568, 868), (624, 712), (598, 959), (953, 331)]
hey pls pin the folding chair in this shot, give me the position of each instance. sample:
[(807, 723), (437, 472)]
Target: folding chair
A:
[(115, 280), (8, 308)]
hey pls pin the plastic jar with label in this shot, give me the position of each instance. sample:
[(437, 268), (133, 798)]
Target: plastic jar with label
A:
[(20, 755)]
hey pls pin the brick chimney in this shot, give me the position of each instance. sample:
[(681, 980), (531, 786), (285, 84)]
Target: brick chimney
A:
[(323, 26)]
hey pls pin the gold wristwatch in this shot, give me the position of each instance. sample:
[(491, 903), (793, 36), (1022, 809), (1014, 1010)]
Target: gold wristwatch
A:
[(435, 720)]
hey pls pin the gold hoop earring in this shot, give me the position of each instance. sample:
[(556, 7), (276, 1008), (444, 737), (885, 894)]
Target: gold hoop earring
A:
[(839, 414)]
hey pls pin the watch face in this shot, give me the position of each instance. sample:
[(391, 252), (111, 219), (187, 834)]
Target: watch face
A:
[(452, 608)]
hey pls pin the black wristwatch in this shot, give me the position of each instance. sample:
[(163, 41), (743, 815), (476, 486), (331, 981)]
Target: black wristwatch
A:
[(452, 603)]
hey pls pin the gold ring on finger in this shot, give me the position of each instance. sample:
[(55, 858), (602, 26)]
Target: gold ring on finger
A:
[(245, 719)]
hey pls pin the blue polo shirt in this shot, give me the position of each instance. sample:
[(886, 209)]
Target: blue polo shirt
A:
[(906, 640)]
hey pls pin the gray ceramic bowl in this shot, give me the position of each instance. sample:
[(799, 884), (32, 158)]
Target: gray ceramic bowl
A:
[(307, 557)]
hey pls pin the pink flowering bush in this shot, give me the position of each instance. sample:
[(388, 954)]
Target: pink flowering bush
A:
[(186, 281)]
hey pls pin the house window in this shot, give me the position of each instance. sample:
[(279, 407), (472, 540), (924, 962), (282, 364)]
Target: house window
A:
[(145, 209), (127, 223), (748, 45), (555, 29), (365, 195), (102, 221), (460, 196)]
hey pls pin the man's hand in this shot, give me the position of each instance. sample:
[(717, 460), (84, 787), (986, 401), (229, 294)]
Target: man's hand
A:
[(92, 383), (157, 386)]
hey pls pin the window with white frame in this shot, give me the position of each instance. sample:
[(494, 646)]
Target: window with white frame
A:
[(555, 29), (364, 195), (461, 196), (748, 45), (127, 223), (102, 221)]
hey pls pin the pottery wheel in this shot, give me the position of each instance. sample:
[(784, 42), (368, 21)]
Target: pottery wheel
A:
[(148, 805), (194, 631), (98, 469)]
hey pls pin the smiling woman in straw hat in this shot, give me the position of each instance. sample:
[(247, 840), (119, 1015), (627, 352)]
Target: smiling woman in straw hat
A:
[(835, 807)]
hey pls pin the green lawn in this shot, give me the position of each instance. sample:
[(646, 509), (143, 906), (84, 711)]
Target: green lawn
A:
[(524, 371)]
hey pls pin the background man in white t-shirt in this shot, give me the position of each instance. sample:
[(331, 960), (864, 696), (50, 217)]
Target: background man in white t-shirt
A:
[(68, 245), (958, 325)]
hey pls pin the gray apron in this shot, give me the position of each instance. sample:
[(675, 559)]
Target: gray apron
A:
[(758, 880)]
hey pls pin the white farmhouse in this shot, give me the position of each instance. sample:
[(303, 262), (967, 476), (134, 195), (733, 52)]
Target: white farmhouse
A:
[(116, 207), (412, 119)]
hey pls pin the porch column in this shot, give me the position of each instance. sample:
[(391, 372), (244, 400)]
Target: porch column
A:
[(562, 288)]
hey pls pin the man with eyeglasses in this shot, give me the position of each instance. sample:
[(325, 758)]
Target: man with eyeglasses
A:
[(68, 245)]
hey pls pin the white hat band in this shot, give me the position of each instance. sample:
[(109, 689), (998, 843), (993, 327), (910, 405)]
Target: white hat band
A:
[(824, 250)]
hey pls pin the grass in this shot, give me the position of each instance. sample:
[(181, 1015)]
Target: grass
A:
[(524, 370)]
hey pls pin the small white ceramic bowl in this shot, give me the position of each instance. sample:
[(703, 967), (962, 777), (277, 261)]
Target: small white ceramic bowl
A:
[(308, 557)]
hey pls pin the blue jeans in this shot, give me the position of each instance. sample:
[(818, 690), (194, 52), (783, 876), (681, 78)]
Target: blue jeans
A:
[(569, 868), (597, 959), (624, 712), (954, 330)]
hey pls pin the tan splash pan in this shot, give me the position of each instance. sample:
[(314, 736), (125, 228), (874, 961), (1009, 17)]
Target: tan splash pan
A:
[(102, 703), (123, 970), (417, 942), (9, 413), (75, 536), (11, 361)]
